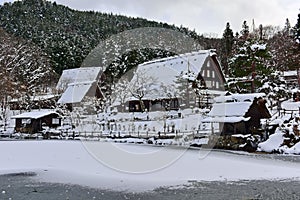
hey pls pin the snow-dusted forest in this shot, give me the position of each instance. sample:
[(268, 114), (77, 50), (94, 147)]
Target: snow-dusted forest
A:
[(40, 39)]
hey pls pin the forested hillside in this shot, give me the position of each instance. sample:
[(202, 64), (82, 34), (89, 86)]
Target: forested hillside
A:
[(67, 36)]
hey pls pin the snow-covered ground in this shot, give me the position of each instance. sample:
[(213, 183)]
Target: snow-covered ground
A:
[(76, 162)]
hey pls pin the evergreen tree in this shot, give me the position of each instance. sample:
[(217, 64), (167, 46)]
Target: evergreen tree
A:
[(250, 58), (295, 57), (287, 26), (296, 30), (245, 30), (227, 41), (260, 32)]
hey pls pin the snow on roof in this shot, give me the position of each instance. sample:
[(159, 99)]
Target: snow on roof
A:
[(294, 90), (290, 73), (179, 63), (290, 105), (209, 52), (225, 119), (232, 112), (234, 109), (77, 75), (239, 97), (75, 92), (43, 97), (166, 70), (34, 114), (37, 97)]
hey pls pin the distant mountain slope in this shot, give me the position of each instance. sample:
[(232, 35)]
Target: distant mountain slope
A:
[(67, 35)]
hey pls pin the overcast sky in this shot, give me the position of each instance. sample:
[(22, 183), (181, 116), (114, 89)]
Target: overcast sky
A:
[(205, 16)]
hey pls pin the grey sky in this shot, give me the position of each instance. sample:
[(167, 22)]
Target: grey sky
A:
[(205, 16)]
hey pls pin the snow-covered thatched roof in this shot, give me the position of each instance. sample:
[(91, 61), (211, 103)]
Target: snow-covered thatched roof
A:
[(290, 105), (77, 75), (76, 83), (34, 114), (238, 97), (232, 108), (164, 72), (167, 68), (76, 92)]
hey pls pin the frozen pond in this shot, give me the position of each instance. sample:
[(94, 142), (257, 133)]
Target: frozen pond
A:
[(21, 187), (76, 170)]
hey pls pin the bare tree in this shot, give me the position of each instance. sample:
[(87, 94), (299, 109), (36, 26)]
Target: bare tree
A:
[(142, 85), (24, 69), (120, 92), (184, 85)]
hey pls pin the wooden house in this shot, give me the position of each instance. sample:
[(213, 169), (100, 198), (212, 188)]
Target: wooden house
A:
[(163, 89), (33, 122), (238, 113)]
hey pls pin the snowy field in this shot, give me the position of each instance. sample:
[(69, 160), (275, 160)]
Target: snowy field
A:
[(75, 162)]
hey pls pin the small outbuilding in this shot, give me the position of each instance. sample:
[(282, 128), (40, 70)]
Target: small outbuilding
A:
[(238, 113), (33, 122)]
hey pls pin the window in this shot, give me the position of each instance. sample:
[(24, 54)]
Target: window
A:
[(213, 74), (208, 84), (208, 73), (26, 121), (203, 73), (55, 121), (217, 85), (208, 64)]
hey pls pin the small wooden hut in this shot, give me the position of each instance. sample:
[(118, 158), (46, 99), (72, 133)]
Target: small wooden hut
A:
[(33, 122)]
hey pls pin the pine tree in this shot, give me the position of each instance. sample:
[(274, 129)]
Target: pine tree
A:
[(260, 32), (296, 30), (245, 30), (296, 47), (227, 41), (287, 26), (251, 57)]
